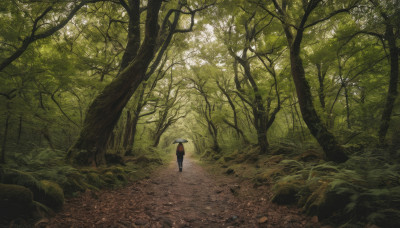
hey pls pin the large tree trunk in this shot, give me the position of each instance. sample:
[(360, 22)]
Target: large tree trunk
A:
[(107, 107), (332, 149), (394, 78)]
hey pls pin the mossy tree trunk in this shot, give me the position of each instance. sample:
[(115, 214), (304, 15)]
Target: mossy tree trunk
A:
[(3, 146), (393, 81), (9, 96), (105, 110), (333, 151)]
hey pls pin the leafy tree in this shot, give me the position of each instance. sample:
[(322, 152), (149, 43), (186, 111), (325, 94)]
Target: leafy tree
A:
[(294, 31), (107, 107)]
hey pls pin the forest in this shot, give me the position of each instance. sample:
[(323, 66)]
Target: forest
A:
[(300, 98)]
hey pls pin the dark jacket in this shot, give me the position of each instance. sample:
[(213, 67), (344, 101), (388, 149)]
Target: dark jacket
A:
[(180, 151)]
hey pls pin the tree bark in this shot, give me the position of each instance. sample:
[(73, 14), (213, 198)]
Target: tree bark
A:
[(134, 122), (3, 147), (321, 92), (133, 43), (394, 78), (128, 130), (235, 126), (333, 151), (19, 130), (346, 93), (259, 112), (107, 107)]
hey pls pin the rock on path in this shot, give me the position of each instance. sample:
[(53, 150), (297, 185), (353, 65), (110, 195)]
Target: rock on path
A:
[(192, 198)]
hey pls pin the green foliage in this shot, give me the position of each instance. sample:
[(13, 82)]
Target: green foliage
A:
[(45, 92), (363, 190), (54, 194)]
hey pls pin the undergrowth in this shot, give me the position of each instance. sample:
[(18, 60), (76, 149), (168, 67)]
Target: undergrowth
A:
[(364, 190), (46, 174)]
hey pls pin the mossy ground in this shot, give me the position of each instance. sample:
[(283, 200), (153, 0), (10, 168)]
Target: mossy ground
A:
[(49, 178), (364, 190)]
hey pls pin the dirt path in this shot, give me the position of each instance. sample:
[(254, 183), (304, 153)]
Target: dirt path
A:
[(192, 198)]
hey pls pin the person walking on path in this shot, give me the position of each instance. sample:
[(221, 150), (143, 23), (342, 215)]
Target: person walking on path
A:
[(180, 152)]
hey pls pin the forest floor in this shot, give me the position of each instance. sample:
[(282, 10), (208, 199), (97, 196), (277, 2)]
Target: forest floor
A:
[(192, 198)]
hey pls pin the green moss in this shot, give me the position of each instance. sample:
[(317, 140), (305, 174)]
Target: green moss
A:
[(249, 155), (15, 200), (95, 179), (285, 191), (76, 182), (12, 176), (146, 159), (54, 194)]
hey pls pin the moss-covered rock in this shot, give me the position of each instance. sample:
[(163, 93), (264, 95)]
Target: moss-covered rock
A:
[(145, 159), (114, 159), (12, 176), (286, 190), (76, 182), (118, 172), (54, 194), (15, 201)]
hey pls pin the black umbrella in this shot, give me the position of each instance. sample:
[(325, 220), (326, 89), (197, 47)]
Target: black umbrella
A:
[(180, 141)]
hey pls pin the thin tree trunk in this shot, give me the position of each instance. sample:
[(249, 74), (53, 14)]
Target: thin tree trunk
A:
[(300, 122), (19, 130), (46, 134), (3, 147), (394, 78), (346, 96), (321, 92), (128, 130), (239, 132), (131, 140), (259, 112)]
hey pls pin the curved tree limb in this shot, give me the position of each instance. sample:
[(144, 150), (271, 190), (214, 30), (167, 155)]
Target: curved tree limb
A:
[(48, 32)]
